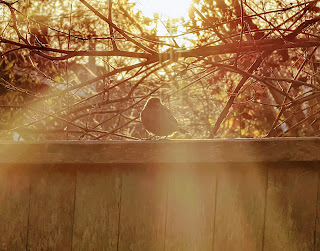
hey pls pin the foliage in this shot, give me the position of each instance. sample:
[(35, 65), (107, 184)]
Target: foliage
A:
[(84, 69)]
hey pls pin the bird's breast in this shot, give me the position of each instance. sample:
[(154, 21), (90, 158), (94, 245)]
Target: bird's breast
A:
[(159, 121)]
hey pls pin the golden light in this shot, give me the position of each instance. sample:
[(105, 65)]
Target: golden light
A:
[(167, 8)]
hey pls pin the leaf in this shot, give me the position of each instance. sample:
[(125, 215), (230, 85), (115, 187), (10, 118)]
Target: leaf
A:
[(49, 101), (57, 79), (246, 116), (230, 123), (10, 65), (244, 131), (235, 124), (182, 84)]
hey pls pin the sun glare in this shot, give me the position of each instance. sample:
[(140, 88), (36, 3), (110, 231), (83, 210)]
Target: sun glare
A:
[(167, 8)]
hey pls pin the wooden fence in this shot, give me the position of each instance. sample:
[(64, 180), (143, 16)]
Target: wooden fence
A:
[(161, 195)]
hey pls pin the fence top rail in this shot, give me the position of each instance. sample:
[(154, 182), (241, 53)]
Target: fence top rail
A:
[(162, 151)]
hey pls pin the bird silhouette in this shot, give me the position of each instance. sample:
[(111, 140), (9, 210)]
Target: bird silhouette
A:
[(158, 119)]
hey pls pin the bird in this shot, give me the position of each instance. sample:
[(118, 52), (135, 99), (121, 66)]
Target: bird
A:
[(158, 119)]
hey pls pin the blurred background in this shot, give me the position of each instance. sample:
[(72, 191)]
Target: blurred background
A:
[(83, 70)]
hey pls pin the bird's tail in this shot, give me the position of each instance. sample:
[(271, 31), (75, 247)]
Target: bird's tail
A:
[(182, 130)]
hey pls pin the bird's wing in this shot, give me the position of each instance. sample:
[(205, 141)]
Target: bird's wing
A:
[(159, 120), (148, 119), (167, 117)]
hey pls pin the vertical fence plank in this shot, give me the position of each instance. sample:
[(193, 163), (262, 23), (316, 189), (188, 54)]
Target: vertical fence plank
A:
[(241, 193), (317, 221), (291, 208), (191, 204), (270, 205), (51, 208), (96, 209), (143, 209), (14, 207)]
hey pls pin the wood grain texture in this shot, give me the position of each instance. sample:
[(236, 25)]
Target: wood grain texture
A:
[(96, 208), (191, 204), (291, 208), (143, 209), (156, 151), (51, 208), (316, 166), (240, 207), (14, 207), (161, 196)]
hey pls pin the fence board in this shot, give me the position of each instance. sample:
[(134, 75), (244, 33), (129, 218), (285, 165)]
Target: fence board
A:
[(240, 207), (96, 208), (191, 204), (163, 151), (161, 195), (317, 222), (143, 209), (51, 208), (291, 208), (14, 207)]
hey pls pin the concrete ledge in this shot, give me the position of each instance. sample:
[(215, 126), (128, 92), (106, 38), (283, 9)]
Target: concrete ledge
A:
[(163, 151)]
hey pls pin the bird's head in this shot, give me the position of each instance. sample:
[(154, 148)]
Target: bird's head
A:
[(153, 103)]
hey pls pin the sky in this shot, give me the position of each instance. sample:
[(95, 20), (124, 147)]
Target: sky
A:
[(168, 8)]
